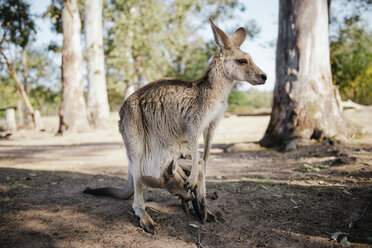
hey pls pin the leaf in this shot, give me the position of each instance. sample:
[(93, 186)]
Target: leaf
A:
[(265, 188), (194, 226)]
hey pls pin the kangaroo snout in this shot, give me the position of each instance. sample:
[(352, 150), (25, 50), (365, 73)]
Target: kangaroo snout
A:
[(263, 77)]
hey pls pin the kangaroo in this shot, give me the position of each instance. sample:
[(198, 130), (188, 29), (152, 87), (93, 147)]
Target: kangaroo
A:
[(164, 119), (172, 179)]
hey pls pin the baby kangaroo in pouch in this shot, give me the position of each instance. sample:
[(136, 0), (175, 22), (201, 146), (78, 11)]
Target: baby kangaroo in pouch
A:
[(164, 119)]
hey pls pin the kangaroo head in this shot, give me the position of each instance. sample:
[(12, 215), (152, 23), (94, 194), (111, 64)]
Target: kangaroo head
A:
[(234, 63), (174, 183)]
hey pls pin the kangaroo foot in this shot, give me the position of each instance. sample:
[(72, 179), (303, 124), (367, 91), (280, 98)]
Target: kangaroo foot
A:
[(200, 207), (148, 224)]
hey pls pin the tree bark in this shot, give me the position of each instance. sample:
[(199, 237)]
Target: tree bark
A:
[(97, 101), (72, 113), (26, 117), (25, 69), (304, 104)]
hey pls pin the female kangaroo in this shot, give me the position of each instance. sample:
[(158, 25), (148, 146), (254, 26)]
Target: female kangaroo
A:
[(165, 119)]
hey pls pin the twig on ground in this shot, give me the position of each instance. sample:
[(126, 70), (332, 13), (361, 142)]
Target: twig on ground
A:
[(352, 222), (198, 243)]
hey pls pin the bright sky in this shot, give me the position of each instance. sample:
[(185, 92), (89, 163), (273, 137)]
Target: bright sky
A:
[(265, 13)]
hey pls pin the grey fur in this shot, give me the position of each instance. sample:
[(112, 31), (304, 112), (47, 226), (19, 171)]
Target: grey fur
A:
[(165, 119)]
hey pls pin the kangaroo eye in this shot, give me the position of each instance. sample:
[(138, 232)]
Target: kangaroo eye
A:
[(241, 61)]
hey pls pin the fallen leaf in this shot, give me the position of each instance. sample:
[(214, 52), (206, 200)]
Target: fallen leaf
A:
[(194, 226), (346, 192)]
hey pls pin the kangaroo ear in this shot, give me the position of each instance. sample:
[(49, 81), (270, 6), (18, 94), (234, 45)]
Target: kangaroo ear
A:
[(170, 171), (239, 37), (221, 39)]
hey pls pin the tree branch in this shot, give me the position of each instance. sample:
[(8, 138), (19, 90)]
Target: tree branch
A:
[(19, 85)]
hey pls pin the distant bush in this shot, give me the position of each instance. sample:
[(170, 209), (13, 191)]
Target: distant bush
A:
[(45, 100), (241, 102), (351, 62)]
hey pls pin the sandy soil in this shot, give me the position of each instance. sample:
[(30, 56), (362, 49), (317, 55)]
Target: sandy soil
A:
[(263, 198)]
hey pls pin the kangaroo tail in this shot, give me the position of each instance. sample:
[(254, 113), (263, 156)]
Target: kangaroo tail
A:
[(120, 193)]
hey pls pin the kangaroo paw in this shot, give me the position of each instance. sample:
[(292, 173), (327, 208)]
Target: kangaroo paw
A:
[(148, 224), (185, 206), (190, 184)]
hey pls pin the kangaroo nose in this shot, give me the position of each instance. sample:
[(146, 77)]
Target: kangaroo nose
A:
[(263, 77)]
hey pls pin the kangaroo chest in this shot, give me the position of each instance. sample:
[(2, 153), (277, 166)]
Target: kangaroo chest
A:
[(216, 112)]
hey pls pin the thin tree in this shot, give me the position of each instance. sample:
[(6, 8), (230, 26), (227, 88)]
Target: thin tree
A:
[(17, 27), (304, 105), (97, 101), (72, 113)]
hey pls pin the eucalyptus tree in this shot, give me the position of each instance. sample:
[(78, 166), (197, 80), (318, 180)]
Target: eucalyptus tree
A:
[(97, 102), (72, 113), (304, 104)]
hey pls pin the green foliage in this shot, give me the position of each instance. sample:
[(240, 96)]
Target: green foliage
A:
[(42, 69), (351, 62), (54, 13), (238, 98), (16, 22), (41, 97), (135, 41), (148, 40), (8, 93), (247, 101), (41, 72), (115, 97), (193, 64), (45, 99)]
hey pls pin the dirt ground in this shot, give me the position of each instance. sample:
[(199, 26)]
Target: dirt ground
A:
[(317, 196)]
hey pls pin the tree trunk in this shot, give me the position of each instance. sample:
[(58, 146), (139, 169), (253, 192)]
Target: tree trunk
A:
[(72, 113), (26, 117), (304, 105), (10, 120), (97, 101), (25, 69)]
